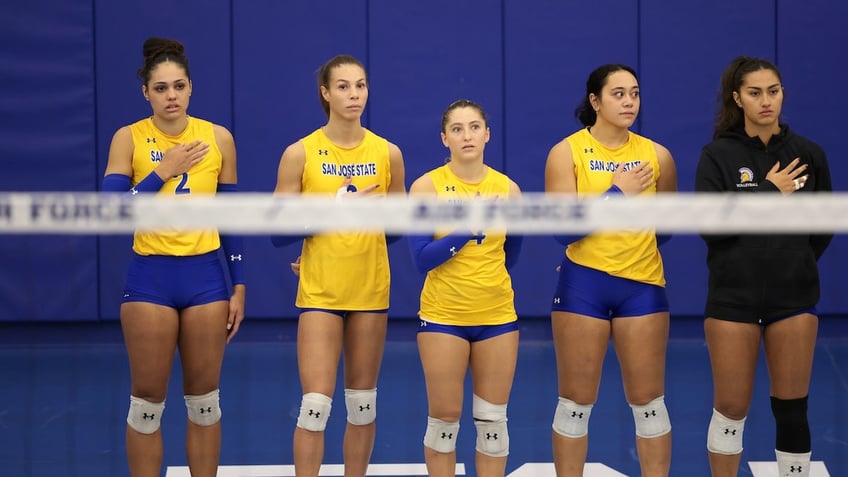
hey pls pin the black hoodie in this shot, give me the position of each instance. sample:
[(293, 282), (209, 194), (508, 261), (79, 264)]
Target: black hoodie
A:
[(761, 277)]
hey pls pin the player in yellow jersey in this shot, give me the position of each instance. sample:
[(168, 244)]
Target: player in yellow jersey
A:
[(176, 293), (343, 290), (611, 284), (467, 309)]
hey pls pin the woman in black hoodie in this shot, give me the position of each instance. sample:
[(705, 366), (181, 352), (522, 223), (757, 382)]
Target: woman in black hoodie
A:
[(761, 287)]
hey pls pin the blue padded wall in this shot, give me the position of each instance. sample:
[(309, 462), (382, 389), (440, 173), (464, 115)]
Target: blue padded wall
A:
[(47, 143), (811, 37), (69, 84)]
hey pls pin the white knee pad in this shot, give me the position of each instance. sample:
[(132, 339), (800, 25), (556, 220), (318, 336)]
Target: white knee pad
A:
[(441, 435), (314, 412), (144, 416), (361, 406), (571, 419), (652, 419), (724, 435), (492, 433), (793, 464), (204, 410)]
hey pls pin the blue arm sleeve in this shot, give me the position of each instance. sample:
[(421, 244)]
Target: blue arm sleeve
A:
[(429, 254), (391, 238), (151, 183), (512, 249), (568, 239), (121, 183), (233, 245), (115, 183)]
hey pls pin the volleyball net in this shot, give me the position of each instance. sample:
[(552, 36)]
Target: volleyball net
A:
[(534, 213)]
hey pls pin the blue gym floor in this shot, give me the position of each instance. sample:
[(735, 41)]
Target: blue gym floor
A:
[(64, 396)]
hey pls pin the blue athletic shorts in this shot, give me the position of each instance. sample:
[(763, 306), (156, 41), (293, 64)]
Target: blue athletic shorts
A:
[(586, 291), (176, 282), (468, 333)]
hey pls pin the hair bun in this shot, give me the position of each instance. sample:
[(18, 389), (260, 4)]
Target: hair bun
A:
[(155, 46), (157, 50)]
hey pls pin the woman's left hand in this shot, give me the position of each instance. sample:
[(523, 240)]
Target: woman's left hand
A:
[(236, 315)]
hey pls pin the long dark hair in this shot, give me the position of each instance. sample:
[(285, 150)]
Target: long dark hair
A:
[(585, 113), (729, 115)]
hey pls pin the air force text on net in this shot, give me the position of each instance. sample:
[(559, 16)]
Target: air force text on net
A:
[(534, 213)]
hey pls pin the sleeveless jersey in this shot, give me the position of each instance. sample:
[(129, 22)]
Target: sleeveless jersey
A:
[(630, 254), (473, 287), (346, 271), (149, 146)]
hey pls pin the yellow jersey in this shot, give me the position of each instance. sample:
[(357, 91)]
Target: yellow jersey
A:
[(346, 271), (149, 146), (630, 254), (473, 287)]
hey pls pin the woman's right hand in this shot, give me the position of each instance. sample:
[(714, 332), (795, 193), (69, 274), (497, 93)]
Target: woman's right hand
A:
[(634, 180), (347, 192), (295, 267), (180, 158), (788, 179)]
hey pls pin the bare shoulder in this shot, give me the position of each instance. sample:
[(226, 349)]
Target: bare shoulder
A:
[(290, 169), (294, 152), (562, 147), (222, 134), (398, 170), (123, 134), (394, 151), (120, 152), (423, 185), (560, 154), (667, 180), (514, 190), (227, 146), (559, 169), (663, 154)]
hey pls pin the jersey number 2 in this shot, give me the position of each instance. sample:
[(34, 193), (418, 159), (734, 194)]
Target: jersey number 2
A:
[(181, 187)]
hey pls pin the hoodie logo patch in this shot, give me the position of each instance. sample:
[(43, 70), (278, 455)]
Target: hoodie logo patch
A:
[(746, 178)]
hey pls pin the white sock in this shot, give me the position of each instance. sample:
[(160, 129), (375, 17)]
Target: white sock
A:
[(793, 465)]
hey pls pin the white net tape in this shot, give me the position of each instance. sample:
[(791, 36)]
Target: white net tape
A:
[(535, 213)]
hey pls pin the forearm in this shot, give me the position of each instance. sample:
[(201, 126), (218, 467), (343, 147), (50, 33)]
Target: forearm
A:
[(512, 250), (233, 245), (123, 183), (568, 239), (428, 254)]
